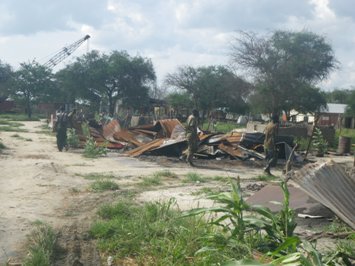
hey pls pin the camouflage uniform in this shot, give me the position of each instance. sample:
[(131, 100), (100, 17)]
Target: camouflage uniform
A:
[(269, 145), (191, 136)]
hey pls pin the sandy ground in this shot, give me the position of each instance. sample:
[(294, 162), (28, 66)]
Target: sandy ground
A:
[(39, 183)]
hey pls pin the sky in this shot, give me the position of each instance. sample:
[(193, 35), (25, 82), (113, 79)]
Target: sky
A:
[(171, 33)]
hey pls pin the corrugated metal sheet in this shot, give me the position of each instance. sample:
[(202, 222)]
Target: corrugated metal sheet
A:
[(332, 186)]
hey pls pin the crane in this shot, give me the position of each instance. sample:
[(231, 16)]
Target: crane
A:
[(65, 52)]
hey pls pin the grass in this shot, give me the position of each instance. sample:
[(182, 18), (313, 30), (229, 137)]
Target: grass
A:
[(103, 185), (20, 117), (223, 127), (152, 234), (165, 173), (337, 227), (150, 181), (20, 137), (194, 178), (97, 176), (41, 245)]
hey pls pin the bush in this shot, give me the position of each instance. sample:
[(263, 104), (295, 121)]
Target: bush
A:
[(91, 150), (73, 139)]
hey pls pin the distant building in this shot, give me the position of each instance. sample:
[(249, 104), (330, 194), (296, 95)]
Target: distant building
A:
[(333, 115)]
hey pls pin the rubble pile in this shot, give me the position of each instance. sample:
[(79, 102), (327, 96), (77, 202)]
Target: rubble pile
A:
[(167, 137)]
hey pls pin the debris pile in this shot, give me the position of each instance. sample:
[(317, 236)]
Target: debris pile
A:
[(167, 137)]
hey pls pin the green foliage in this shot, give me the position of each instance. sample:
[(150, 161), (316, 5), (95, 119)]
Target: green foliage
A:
[(211, 87), (165, 173), (344, 132), (97, 176), (91, 150), (319, 144), (149, 181), (41, 244), (103, 185), (286, 65), (194, 178), (154, 234), (302, 143), (265, 177), (31, 83), (73, 138)]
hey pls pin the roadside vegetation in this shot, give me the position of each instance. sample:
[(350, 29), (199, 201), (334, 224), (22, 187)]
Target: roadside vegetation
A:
[(41, 245), (232, 233), (103, 185)]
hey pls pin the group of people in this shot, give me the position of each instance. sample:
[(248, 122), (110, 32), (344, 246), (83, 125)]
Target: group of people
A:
[(269, 140)]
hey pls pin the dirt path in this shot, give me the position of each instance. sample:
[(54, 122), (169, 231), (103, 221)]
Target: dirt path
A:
[(39, 183)]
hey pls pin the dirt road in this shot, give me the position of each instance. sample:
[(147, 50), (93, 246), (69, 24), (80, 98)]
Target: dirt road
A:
[(39, 183)]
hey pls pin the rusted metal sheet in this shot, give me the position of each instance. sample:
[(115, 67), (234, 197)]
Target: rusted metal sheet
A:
[(233, 151), (331, 185), (146, 147), (168, 126), (125, 135), (110, 128)]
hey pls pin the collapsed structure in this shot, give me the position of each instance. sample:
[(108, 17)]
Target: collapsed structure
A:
[(167, 137)]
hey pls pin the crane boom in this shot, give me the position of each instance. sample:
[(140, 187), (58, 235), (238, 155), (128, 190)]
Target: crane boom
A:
[(65, 52)]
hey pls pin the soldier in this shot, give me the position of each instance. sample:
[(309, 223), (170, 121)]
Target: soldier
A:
[(191, 135), (269, 143)]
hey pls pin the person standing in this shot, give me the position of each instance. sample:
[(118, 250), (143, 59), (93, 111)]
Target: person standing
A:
[(191, 135), (269, 143), (61, 126)]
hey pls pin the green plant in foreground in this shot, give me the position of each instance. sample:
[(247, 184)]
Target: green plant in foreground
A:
[(41, 244), (91, 150), (73, 138), (103, 185), (319, 143), (165, 173)]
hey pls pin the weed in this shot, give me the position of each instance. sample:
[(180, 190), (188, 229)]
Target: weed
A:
[(91, 150), (73, 138), (153, 234), (150, 181), (103, 185), (302, 143), (97, 176), (19, 117), (337, 227), (12, 129), (265, 177), (165, 173), (41, 244), (194, 178)]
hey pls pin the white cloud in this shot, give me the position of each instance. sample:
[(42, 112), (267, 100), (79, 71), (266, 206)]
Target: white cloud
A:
[(171, 32)]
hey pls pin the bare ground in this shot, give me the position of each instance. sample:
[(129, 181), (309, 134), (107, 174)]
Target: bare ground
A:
[(39, 183)]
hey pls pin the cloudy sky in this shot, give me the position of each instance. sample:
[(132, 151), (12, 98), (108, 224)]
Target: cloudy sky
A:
[(170, 32)]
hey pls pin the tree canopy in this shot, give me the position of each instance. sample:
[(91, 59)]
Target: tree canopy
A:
[(31, 83), (98, 77), (6, 73), (211, 87), (286, 67)]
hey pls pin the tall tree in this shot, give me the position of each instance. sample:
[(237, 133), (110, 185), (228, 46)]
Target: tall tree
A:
[(101, 78), (286, 67), (30, 83), (211, 87), (6, 73)]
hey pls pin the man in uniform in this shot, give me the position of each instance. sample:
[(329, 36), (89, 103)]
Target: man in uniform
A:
[(269, 143), (191, 135)]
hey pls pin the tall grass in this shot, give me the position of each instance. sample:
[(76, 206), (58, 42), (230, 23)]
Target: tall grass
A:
[(41, 245)]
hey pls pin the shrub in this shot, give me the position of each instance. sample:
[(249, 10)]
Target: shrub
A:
[(73, 139), (91, 150)]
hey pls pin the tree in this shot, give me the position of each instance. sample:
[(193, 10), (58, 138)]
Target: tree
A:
[(338, 96), (6, 73), (101, 78), (211, 87), (350, 110), (286, 67), (30, 83)]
